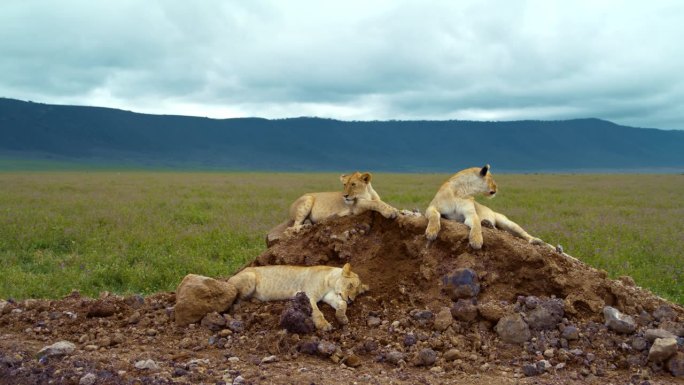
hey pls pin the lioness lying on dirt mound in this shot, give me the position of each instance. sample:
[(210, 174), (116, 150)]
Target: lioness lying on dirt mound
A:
[(454, 200), (333, 285), (358, 196)]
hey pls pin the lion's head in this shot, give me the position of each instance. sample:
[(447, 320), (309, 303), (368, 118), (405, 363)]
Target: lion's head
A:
[(356, 186), (481, 181), (349, 284)]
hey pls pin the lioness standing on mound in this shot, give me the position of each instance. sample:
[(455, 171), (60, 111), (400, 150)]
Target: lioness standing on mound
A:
[(357, 197), (454, 200), (333, 285)]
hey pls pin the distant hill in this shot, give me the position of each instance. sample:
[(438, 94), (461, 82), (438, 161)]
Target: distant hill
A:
[(104, 136)]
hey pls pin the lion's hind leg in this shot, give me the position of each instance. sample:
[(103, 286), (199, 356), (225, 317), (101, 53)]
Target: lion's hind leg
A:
[(245, 282), (300, 210), (506, 224)]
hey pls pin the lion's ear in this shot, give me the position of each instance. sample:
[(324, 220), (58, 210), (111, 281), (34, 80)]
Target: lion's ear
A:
[(346, 270), (344, 178), (366, 177), (484, 170)]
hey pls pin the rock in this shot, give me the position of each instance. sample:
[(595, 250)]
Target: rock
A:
[(395, 357), (545, 315), (443, 319), (531, 302), (462, 283), (61, 348), (88, 379), (373, 321), (410, 340), (450, 355), (352, 361), (426, 357), (275, 234), (544, 366), (308, 347), (421, 314), (101, 309), (617, 321), (639, 343), (296, 317), (236, 326), (676, 328), (269, 359), (197, 295), (570, 333), (530, 370), (239, 380), (464, 310), (146, 365), (662, 349), (326, 348), (492, 310), (664, 312), (513, 329), (213, 321), (549, 353), (675, 365), (653, 334)]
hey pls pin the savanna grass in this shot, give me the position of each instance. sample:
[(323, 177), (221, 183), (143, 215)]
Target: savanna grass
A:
[(141, 232)]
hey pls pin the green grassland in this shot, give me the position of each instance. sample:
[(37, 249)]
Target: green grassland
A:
[(141, 232)]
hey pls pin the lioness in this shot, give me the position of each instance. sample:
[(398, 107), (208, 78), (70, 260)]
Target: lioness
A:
[(357, 197), (333, 285), (454, 200)]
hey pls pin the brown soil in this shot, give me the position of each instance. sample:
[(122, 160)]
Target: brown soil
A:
[(393, 334)]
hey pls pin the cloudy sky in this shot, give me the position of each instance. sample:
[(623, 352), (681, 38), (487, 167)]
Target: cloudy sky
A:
[(353, 60)]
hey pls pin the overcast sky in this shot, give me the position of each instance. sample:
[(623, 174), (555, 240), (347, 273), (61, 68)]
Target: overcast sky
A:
[(353, 60)]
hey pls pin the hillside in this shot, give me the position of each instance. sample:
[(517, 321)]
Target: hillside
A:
[(94, 135)]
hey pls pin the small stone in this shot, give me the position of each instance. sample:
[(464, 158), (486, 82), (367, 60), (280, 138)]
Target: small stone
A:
[(443, 319), (570, 333), (61, 348), (618, 322), (531, 302), (151, 332), (530, 370), (652, 334), (421, 314), (675, 365), (326, 348), (426, 357), (353, 361), (560, 366), (410, 340), (213, 321), (236, 326), (233, 359), (544, 366), (662, 349), (513, 329), (546, 314), (239, 380), (146, 365), (462, 283), (179, 372), (450, 355), (88, 379), (395, 357), (492, 310), (269, 359), (664, 312), (309, 347), (549, 353), (464, 310), (373, 321), (639, 343)]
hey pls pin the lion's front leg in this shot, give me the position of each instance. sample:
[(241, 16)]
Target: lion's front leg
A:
[(472, 220), (434, 224), (383, 208), (319, 320)]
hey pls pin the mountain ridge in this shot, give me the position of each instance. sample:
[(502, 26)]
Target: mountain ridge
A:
[(101, 135)]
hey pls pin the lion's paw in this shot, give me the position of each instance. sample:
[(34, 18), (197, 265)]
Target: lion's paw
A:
[(390, 214), (430, 234), (536, 241)]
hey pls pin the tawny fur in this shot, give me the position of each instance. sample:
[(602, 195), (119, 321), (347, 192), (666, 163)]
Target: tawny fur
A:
[(455, 200), (333, 285), (357, 197)]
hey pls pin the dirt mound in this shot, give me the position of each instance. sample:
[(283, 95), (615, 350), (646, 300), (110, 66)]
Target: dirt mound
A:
[(437, 312)]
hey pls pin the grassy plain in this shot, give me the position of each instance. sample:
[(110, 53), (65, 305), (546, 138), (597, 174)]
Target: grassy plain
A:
[(141, 232)]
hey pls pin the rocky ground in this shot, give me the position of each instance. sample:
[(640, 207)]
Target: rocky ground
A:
[(437, 312)]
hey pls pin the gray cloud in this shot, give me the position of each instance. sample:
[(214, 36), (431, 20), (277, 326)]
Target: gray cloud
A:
[(495, 60)]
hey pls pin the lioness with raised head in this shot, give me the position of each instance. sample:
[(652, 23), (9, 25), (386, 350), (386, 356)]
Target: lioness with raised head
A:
[(455, 201), (333, 285), (357, 197)]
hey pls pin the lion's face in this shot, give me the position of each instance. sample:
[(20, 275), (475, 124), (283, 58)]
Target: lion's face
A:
[(355, 186), (485, 184), (349, 285)]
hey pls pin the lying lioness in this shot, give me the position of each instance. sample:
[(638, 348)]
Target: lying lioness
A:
[(333, 285), (357, 197), (454, 200)]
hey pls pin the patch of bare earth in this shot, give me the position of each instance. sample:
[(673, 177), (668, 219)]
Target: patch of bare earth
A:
[(437, 312)]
